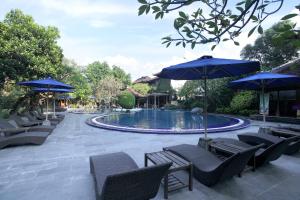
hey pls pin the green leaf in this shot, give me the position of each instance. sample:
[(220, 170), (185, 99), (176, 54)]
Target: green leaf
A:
[(183, 15), (157, 15), (147, 9), (226, 39), (260, 30), (168, 44), (240, 9), (289, 16), (240, 3), (183, 44), (178, 43), (236, 43), (251, 31), (213, 47), (142, 1), (193, 45), (254, 18), (155, 9), (142, 9)]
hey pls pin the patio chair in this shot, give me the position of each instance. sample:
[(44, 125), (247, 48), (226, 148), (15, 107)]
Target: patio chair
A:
[(36, 138), (293, 146), (21, 122), (117, 177), (209, 169), (274, 146), (32, 118), (15, 128), (58, 116), (42, 117)]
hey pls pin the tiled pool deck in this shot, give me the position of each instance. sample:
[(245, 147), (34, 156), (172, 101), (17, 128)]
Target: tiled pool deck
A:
[(59, 169)]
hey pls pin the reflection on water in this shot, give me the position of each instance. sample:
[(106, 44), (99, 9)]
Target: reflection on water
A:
[(158, 119)]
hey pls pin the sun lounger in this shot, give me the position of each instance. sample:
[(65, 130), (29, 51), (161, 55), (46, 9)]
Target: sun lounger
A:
[(293, 146), (4, 124), (21, 122), (274, 146), (118, 177), (36, 138), (42, 117), (210, 169)]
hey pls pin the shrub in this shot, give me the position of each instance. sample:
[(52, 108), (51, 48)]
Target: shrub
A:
[(242, 101), (126, 100)]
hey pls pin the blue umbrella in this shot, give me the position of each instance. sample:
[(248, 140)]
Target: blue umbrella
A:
[(46, 83), (54, 90), (208, 67), (267, 81)]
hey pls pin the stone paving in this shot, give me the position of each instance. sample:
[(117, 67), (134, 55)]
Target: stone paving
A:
[(59, 169)]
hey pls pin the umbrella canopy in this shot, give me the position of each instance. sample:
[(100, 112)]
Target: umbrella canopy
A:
[(267, 81), (46, 83), (56, 90), (210, 68)]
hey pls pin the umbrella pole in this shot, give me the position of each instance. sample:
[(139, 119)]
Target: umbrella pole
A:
[(263, 99), (54, 116), (205, 108), (47, 107)]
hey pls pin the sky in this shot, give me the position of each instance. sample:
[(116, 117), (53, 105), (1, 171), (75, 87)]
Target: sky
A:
[(112, 31)]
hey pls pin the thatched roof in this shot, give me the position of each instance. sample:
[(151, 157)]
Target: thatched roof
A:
[(135, 93), (292, 67), (145, 79)]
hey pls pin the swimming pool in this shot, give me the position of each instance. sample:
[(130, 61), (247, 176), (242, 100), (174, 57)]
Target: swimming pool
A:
[(166, 121)]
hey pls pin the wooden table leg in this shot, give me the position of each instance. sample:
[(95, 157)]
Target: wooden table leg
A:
[(166, 185), (191, 178)]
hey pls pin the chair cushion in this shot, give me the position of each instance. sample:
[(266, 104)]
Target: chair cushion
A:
[(200, 158), (110, 164)]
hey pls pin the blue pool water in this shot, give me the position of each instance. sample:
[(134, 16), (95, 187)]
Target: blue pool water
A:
[(166, 121)]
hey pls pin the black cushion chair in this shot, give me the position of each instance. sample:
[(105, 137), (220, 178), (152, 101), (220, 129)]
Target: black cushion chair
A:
[(274, 146), (210, 169), (4, 124), (117, 177), (283, 133), (24, 138)]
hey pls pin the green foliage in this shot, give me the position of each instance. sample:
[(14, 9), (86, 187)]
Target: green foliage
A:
[(201, 22), (97, 71), (276, 46), (121, 75), (164, 85), (126, 100), (141, 88), (108, 89), (243, 103), (28, 50), (218, 93)]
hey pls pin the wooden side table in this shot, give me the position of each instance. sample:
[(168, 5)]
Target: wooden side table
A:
[(170, 181)]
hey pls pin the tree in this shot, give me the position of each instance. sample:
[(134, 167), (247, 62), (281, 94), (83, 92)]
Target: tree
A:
[(28, 50), (108, 89), (126, 100), (96, 72), (218, 93), (212, 20), (273, 48), (141, 88), (120, 74)]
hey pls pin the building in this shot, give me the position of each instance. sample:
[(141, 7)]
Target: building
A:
[(286, 103), (160, 94)]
